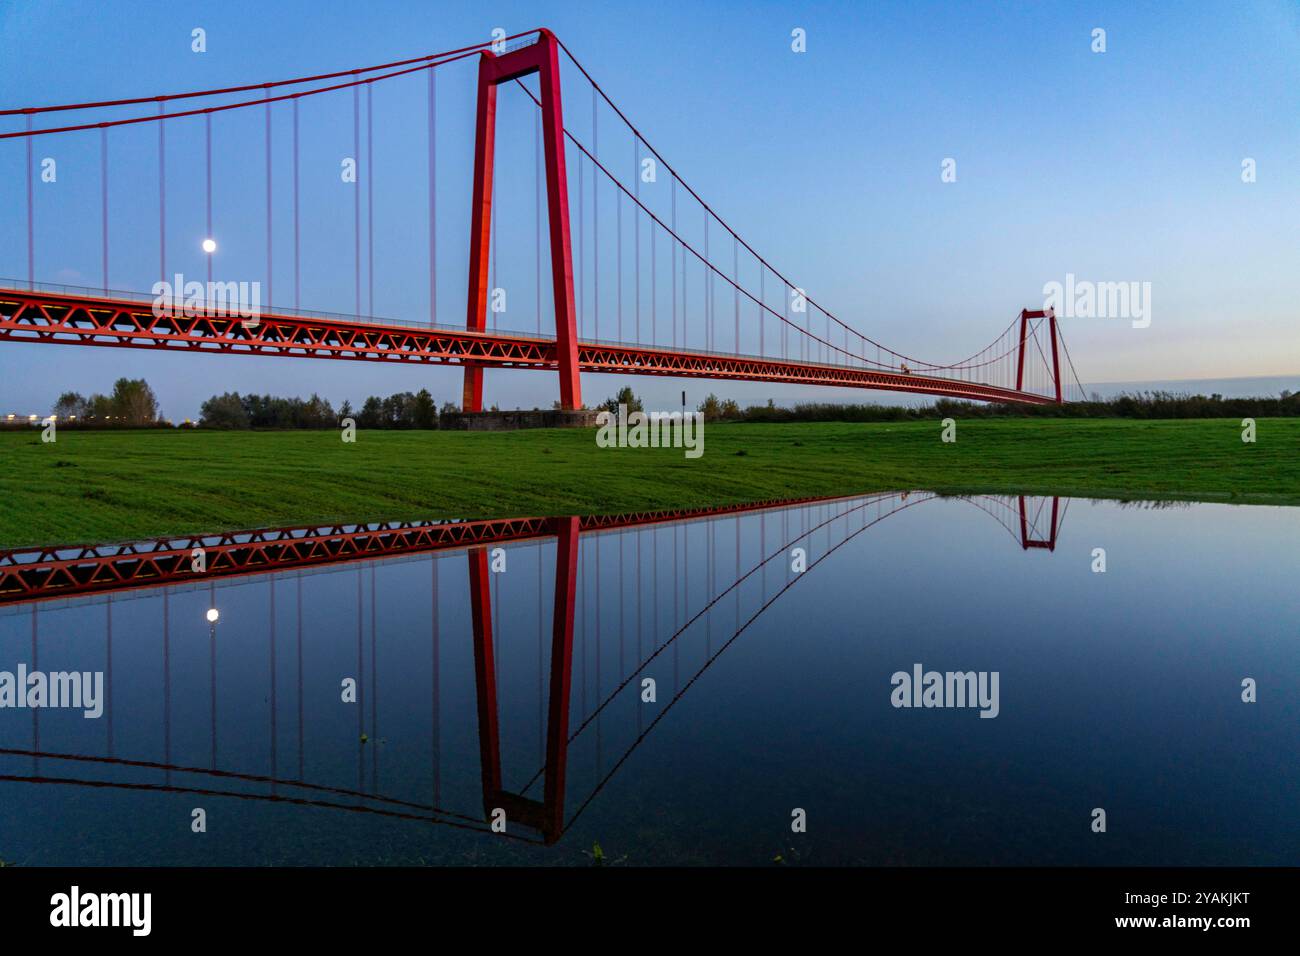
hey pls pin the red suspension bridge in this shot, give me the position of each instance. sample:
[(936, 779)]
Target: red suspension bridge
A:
[(644, 292)]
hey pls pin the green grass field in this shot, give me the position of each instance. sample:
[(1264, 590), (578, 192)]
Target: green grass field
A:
[(113, 486)]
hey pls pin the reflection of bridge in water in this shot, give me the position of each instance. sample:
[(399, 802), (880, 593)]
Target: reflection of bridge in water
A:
[(759, 579)]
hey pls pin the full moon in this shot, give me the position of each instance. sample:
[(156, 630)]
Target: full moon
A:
[(209, 245)]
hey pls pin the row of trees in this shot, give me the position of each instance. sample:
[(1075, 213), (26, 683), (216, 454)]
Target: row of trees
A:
[(714, 408), (402, 410), (725, 409), (1146, 405), (132, 402), (233, 410)]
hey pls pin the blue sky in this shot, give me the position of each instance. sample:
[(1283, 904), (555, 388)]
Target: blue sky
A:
[(1118, 166)]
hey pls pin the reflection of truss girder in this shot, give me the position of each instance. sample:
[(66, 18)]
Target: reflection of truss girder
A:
[(37, 573), (77, 319)]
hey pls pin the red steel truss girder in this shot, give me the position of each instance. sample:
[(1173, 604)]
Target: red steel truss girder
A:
[(33, 574), (643, 361), (89, 320)]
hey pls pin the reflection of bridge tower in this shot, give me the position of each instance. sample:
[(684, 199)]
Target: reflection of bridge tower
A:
[(1026, 333), (1026, 542), (548, 815)]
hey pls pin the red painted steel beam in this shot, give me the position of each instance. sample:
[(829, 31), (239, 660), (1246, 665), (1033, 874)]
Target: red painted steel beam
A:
[(638, 360), (90, 320)]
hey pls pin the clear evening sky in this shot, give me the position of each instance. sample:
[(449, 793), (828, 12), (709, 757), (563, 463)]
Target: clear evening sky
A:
[(1117, 166)]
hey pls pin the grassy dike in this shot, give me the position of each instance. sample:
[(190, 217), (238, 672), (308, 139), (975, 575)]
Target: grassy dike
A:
[(113, 486)]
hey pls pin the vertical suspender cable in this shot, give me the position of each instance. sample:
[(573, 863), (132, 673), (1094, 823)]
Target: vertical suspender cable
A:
[(103, 202), (433, 196), (685, 310), (618, 256), (31, 232), (270, 294), (595, 223), (297, 279), (673, 265), (654, 289), (785, 326), (370, 201), (207, 138), (735, 289), (356, 204), (636, 227), (537, 221), (162, 197)]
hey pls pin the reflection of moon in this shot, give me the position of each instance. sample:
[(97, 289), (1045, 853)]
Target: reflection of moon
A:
[(209, 245)]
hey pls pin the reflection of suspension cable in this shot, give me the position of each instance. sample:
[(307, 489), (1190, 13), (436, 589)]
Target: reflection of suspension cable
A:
[(672, 640), (726, 644), (1033, 525), (268, 798), (970, 499)]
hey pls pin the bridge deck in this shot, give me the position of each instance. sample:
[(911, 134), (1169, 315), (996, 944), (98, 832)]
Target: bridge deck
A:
[(80, 318)]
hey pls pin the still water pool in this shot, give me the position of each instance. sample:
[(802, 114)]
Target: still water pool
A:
[(724, 690)]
